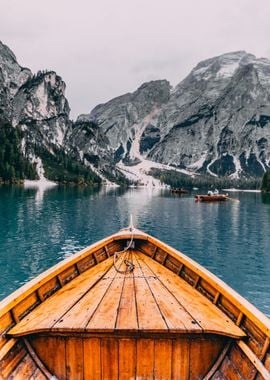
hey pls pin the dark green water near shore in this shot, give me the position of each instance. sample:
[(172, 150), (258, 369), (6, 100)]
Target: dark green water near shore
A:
[(231, 239)]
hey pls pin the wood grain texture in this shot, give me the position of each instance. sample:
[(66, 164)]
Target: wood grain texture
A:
[(180, 359), (109, 359), (52, 352), (92, 359), (204, 313), (158, 302), (203, 354), (49, 312), (24, 370), (74, 359), (105, 315), (145, 358), (127, 359), (12, 359), (149, 316), (177, 318), (162, 359), (78, 316)]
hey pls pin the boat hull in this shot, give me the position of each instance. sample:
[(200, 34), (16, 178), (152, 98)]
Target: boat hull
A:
[(163, 352), (211, 198)]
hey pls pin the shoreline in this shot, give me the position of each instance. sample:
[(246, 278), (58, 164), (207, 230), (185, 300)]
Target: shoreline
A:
[(242, 190)]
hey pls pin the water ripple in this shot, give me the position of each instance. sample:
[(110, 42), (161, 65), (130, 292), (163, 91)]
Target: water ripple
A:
[(230, 239)]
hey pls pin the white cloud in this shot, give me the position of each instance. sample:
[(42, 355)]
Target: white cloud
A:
[(103, 48)]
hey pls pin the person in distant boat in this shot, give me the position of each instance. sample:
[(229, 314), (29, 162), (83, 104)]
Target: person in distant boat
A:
[(210, 192), (216, 192)]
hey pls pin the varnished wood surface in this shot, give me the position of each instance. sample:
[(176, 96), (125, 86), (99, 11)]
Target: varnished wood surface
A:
[(116, 358), (61, 278), (149, 299)]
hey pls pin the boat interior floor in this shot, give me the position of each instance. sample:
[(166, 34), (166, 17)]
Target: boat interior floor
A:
[(109, 299)]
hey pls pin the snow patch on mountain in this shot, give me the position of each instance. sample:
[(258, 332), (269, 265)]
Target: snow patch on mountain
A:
[(228, 69), (238, 168), (199, 163)]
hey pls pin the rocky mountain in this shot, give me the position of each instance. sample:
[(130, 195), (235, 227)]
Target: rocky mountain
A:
[(12, 76), (217, 119), (216, 122), (36, 108), (122, 120)]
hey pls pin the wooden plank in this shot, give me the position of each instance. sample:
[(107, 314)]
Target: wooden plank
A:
[(267, 362), (25, 306), (206, 315), (127, 313), (265, 348), (148, 313), (48, 313), (6, 321), (77, 318), (180, 359), (48, 289), (24, 370), (11, 360), (86, 263), (256, 336), (127, 359), (52, 352), (208, 350), (228, 371), (254, 360), (242, 304), (10, 343), (74, 359), (109, 358), (242, 363), (163, 359), (36, 359), (86, 314), (38, 375), (145, 359), (92, 359), (105, 314), (68, 274), (176, 317), (9, 302), (100, 255), (218, 362)]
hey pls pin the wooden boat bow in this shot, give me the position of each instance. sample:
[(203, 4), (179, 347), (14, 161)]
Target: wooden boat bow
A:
[(84, 319)]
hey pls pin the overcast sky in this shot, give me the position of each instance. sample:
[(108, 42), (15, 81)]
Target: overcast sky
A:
[(104, 48)]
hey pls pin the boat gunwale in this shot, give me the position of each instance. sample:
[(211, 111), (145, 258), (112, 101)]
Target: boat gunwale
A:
[(249, 310)]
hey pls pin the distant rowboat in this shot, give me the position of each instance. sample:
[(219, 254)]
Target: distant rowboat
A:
[(131, 307), (211, 197)]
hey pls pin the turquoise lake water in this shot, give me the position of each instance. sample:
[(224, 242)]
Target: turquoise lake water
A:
[(231, 239)]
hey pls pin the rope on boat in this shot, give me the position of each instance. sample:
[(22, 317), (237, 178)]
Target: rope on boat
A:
[(129, 264)]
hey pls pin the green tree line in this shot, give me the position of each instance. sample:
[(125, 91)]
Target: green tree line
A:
[(13, 165), (63, 168), (177, 180)]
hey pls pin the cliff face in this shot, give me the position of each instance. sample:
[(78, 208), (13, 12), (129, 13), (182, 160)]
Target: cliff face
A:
[(41, 110), (36, 107), (216, 121), (12, 76), (123, 119)]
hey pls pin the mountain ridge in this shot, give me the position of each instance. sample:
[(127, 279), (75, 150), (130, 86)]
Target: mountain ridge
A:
[(214, 122)]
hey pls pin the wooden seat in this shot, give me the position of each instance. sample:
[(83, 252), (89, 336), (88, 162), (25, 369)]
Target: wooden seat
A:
[(149, 299)]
